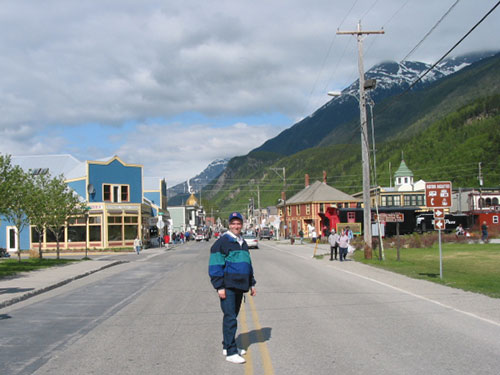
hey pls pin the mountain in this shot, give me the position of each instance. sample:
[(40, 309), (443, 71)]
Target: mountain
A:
[(392, 79), (179, 193), (465, 95)]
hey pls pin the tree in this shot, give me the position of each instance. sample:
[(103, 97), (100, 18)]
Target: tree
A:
[(62, 203), (15, 188), (38, 207)]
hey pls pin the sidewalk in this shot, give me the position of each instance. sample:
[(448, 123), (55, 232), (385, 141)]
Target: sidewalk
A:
[(28, 284)]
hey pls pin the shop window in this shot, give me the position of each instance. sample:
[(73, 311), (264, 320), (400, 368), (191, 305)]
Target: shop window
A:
[(35, 236), (77, 233), (115, 193), (95, 233), (51, 238)]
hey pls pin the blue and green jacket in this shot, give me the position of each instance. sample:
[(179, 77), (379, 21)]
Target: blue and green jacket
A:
[(230, 265)]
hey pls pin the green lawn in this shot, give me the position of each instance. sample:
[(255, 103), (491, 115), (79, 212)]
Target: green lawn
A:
[(10, 267), (472, 267)]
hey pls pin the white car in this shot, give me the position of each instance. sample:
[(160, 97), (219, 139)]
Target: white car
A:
[(251, 241)]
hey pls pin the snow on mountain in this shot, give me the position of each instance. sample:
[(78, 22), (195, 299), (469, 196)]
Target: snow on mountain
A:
[(213, 170), (392, 75)]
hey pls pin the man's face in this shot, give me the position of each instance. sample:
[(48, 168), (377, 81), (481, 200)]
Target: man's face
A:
[(235, 226)]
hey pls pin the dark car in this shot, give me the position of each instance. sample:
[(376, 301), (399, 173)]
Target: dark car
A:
[(265, 233)]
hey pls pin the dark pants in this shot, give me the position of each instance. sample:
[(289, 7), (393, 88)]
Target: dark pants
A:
[(230, 307), (332, 249), (342, 253)]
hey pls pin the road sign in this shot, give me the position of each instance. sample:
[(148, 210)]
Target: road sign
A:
[(439, 224), (392, 217), (438, 213), (438, 194), (160, 224)]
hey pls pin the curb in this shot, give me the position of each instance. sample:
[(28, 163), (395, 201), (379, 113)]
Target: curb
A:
[(36, 292)]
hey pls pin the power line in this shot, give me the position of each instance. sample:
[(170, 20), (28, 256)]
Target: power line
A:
[(431, 30), (441, 59)]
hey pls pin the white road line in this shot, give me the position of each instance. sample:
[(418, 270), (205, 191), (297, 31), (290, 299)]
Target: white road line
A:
[(402, 291)]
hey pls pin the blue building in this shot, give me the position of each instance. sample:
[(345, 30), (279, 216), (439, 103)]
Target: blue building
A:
[(120, 207)]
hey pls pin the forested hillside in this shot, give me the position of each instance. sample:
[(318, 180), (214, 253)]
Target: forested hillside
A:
[(443, 133)]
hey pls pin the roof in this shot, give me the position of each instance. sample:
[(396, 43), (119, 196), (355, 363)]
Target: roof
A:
[(192, 201), (152, 183), (403, 170), (320, 192), (56, 164)]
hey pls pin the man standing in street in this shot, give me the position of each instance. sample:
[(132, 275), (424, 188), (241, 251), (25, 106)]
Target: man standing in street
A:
[(231, 274)]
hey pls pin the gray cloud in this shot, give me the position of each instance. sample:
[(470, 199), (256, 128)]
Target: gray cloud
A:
[(71, 63)]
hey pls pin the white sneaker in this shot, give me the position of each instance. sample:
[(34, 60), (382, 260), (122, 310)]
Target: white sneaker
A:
[(235, 358), (240, 351)]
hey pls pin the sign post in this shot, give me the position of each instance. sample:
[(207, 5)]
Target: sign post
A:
[(393, 217), (438, 196)]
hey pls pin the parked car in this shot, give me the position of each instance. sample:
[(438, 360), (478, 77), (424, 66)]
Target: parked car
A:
[(265, 233), (251, 241)]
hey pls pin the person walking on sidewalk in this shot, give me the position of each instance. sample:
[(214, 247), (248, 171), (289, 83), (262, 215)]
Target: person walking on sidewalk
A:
[(333, 239), (231, 274), (137, 245)]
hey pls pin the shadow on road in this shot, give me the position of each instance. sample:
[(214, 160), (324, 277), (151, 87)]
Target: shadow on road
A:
[(254, 337)]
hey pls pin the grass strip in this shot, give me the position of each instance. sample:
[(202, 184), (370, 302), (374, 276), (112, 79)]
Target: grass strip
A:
[(9, 267), (471, 267)]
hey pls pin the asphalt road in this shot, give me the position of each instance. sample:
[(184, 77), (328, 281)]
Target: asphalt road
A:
[(160, 315)]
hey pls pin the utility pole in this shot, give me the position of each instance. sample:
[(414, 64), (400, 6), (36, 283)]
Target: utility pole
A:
[(367, 222), (283, 177), (258, 205)]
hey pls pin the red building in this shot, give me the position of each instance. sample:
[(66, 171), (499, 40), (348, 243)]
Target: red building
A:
[(315, 206)]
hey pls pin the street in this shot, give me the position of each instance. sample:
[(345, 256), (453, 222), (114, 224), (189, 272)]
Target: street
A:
[(158, 314)]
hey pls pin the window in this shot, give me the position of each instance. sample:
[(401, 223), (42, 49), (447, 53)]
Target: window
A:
[(308, 209), (406, 180), (289, 210), (122, 228), (495, 219), (322, 208), (297, 209), (488, 202), (494, 201), (414, 200), (115, 193), (391, 200)]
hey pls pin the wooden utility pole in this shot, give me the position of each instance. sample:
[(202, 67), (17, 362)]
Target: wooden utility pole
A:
[(283, 177), (367, 222)]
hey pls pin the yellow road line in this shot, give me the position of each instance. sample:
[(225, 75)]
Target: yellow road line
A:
[(246, 341), (264, 352)]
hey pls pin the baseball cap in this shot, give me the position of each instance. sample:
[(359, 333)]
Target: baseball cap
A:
[(235, 215)]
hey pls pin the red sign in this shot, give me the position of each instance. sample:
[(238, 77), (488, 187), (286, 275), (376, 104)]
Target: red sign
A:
[(393, 217), (438, 213), (439, 224), (438, 194)]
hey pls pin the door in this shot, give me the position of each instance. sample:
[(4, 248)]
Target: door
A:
[(11, 239)]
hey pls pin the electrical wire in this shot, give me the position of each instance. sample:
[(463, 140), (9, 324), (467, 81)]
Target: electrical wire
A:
[(430, 31)]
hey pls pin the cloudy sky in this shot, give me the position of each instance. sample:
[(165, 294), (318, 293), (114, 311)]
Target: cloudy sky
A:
[(174, 85)]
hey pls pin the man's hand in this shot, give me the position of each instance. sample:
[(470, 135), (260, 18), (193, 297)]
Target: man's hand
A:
[(222, 293), (253, 291)]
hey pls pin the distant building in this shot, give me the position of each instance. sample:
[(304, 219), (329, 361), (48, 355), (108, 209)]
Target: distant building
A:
[(187, 217), (404, 193), (315, 206), (119, 210)]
